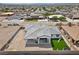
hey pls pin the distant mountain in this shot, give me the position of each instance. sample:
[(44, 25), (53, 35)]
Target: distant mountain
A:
[(33, 4)]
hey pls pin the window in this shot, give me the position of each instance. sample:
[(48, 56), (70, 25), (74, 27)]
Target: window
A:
[(57, 35), (51, 35)]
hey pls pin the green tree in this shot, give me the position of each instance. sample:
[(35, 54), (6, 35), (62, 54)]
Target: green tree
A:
[(23, 8), (44, 8), (62, 18), (6, 9), (55, 18), (53, 9), (59, 7)]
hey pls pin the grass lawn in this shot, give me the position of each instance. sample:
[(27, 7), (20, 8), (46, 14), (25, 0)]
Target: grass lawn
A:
[(31, 21), (58, 45), (47, 14)]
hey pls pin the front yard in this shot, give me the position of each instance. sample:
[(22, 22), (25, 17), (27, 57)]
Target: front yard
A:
[(58, 44)]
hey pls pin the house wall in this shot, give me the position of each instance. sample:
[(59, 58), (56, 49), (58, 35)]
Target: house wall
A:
[(31, 41), (37, 41)]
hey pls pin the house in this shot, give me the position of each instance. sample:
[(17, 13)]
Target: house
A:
[(40, 34), (16, 16), (6, 13), (75, 16), (38, 16), (13, 22), (34, 16)]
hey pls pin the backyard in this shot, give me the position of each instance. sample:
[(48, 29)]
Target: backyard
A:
[(58, 44), (31, 20), (58, 18)]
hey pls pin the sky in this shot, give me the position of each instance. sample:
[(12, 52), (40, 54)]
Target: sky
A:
[(39, 1)]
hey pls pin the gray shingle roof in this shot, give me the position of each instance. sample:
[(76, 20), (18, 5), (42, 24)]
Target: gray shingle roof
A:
[(35, 31)]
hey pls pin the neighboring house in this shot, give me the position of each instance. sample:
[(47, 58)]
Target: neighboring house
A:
[(16, 16), (34, 16), (13, 22), (15, 19), (75, 16), (6, 13), (41, 34)]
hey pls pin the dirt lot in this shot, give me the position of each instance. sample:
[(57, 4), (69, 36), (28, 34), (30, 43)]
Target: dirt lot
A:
[(18, 44), (6, 34)]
